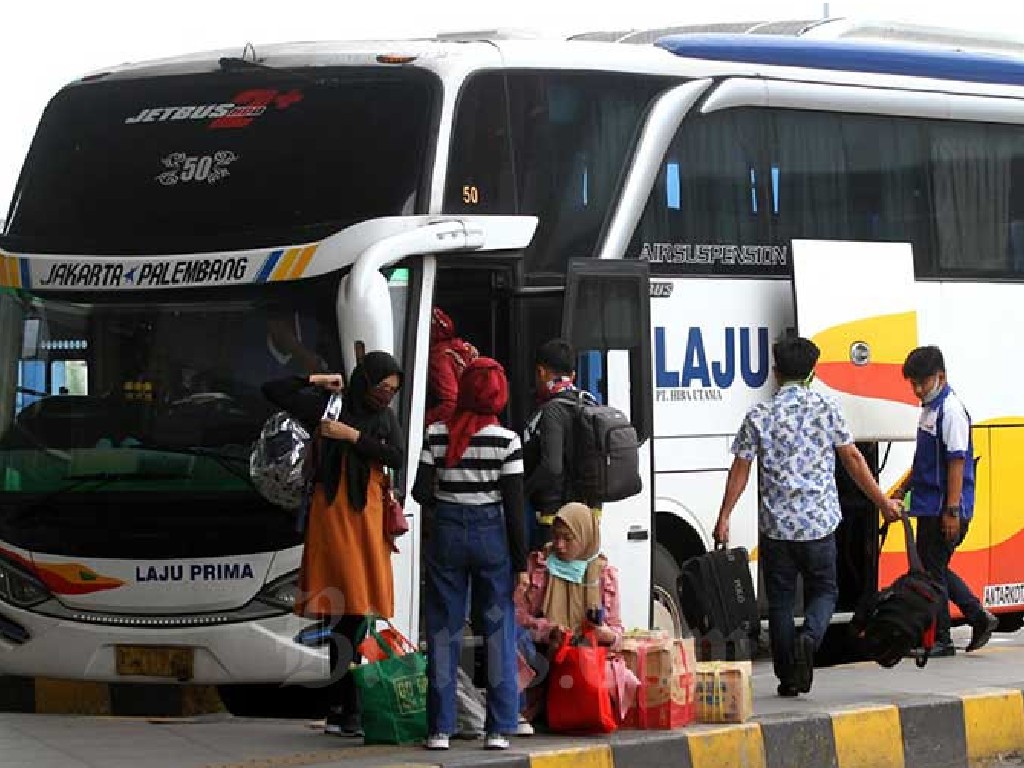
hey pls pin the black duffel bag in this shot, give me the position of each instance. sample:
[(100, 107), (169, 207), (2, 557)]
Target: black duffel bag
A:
[(901, 617)]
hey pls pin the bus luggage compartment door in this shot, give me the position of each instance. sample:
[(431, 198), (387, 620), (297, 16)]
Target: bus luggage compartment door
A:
[(856, 302)]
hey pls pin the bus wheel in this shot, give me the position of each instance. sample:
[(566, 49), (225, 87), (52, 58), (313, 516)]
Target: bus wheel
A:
[(1010, 622), (665, 610)]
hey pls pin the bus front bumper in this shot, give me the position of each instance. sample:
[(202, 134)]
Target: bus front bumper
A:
[(257, 651)]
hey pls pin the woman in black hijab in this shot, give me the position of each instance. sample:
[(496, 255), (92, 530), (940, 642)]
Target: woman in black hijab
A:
[(346, 563)]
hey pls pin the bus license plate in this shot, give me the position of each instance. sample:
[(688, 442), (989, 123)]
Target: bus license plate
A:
[(155, 661)]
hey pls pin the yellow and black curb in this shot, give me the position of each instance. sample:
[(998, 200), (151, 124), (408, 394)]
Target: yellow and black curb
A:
[(958, 731), (953, 732), (43, 695)]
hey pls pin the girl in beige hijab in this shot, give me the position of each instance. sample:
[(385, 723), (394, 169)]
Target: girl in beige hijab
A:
[(569, 584)]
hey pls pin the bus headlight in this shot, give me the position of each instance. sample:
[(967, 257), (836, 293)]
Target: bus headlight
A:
[(282, 592), (20, 588)]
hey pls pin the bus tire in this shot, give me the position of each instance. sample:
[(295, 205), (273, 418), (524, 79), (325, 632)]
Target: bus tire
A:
[(665, 606), (1010, 622)]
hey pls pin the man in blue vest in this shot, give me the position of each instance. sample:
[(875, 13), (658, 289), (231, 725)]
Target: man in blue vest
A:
[(941, 485)]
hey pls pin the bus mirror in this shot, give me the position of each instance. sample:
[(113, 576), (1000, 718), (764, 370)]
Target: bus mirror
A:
[(364, 316)]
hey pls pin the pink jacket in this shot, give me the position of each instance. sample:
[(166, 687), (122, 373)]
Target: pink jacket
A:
[(529, 603)]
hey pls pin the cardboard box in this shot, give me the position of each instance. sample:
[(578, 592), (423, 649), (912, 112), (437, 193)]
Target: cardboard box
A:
[(665, 668), (725, 691), (648, 635)]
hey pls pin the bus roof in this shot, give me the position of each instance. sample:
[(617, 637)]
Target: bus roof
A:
[(687, 56), (851, 56), (832, 28)]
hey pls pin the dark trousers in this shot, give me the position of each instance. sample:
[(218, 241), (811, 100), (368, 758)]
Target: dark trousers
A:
[(342, 693), (468, 545), (815, 562), (935, 552)]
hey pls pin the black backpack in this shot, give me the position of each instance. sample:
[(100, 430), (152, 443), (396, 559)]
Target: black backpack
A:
[(900, 617), (605, 454)]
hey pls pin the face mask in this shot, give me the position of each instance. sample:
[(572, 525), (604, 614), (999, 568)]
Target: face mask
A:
[(927, 397), (380, 398)]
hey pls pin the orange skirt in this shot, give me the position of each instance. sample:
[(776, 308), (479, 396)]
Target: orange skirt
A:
[(346, 562)]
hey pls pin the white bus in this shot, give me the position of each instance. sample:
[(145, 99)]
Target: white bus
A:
[(184, 230)]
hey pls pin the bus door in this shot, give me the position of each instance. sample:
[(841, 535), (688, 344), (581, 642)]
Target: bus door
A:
[(475, 294), (606, 317), (856, 301)]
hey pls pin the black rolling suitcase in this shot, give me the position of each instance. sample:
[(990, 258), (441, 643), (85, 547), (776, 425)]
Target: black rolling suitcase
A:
[(718, 600)]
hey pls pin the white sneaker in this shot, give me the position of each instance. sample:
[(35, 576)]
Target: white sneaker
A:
[(495, 741), (437, 741), (524, 728)]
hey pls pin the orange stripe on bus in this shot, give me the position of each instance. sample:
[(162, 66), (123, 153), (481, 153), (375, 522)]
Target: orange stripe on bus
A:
[(283, 269), (302, 263), (882, 381)]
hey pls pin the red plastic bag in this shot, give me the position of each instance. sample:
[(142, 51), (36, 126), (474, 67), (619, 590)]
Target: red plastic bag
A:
[(374, 646), (578, 696)]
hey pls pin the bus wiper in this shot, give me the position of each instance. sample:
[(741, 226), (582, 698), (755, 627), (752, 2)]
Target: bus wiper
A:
[(236, 64)]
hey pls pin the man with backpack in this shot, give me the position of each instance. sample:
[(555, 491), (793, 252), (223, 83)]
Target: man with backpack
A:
[(574, 449), (796, 437), (941, 486), (547, 440)]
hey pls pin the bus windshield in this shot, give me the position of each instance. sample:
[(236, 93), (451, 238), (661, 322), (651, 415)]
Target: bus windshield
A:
[(220, 161), (148, 405)]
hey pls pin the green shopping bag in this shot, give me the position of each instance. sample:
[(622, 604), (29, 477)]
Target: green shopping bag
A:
[(393, 692)]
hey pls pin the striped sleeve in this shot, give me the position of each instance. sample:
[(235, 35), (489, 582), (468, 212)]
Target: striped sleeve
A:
[(513, 462), (426, 453)]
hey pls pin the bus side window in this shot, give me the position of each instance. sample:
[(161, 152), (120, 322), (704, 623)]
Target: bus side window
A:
[(480, 174)]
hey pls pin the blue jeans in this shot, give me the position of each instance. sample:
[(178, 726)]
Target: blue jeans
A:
[(538, 662), (815, 561), (468, 544), (936, 552)]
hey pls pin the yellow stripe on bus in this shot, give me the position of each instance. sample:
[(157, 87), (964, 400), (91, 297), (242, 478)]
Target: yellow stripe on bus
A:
[(891, 337), (5, 280), (282, 270), (12, 268), (302, 263)]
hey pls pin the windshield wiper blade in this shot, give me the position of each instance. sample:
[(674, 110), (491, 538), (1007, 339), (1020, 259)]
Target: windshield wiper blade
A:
[(234, 64), (238, 64)]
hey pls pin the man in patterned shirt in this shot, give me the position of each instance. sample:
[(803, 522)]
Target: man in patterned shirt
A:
[(796, 436)]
